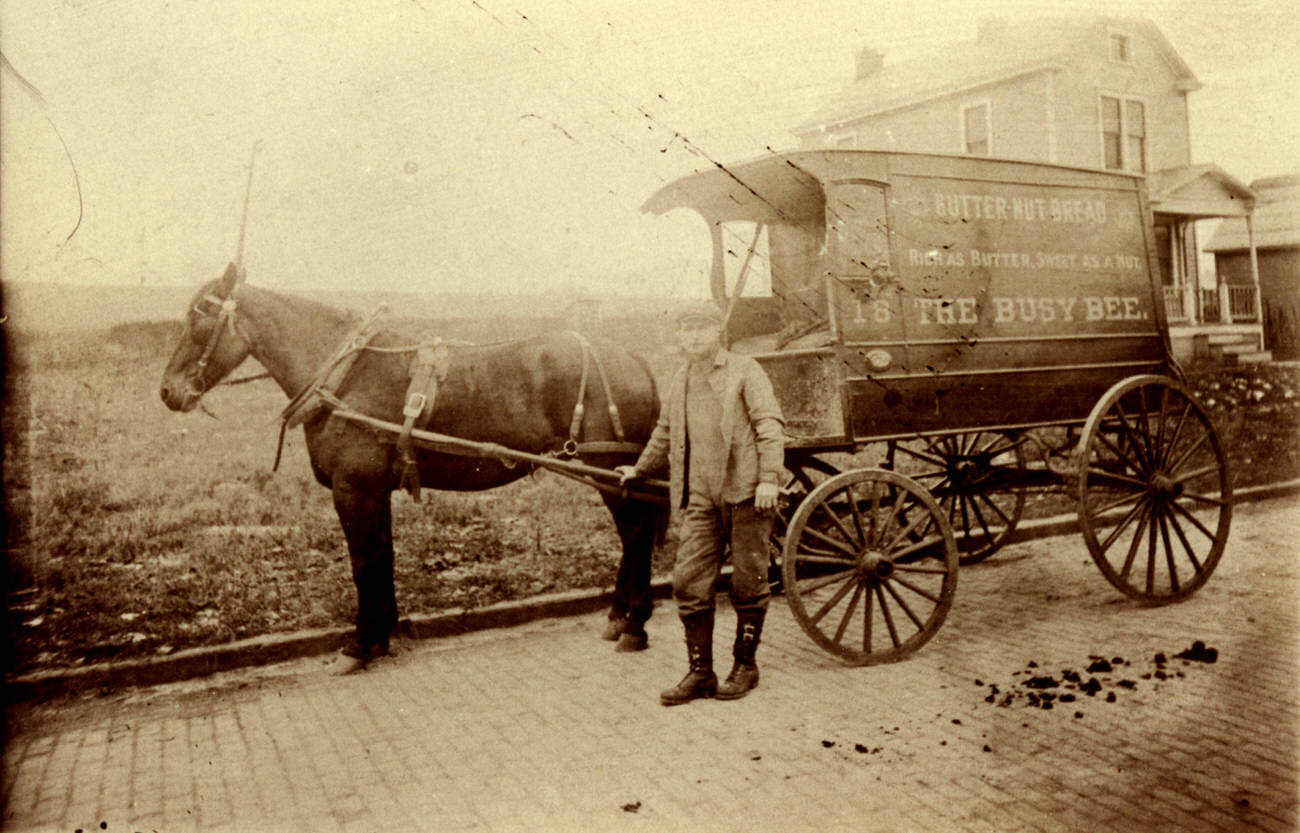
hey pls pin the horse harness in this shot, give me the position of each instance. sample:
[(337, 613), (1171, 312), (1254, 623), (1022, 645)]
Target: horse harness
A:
[(428, 369)]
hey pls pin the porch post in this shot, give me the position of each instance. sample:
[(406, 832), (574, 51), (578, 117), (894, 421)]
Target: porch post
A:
[(1254, 271), (1225, 305)]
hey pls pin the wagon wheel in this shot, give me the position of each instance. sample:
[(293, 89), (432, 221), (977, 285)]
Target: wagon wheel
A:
[(971, 475), (1153, 469), (870, 566), (805, 472)]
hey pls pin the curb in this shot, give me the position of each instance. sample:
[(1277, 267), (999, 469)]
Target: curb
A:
[(263, 650)]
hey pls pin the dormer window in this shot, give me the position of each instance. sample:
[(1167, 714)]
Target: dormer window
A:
[(1119, 48)]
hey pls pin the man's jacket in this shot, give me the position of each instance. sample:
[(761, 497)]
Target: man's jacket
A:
[(752, 430)]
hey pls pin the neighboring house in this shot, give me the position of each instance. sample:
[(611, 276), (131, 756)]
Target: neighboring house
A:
[(1098, 92), (1274, 231)]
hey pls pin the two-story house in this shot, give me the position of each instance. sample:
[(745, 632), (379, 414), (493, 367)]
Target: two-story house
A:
[(1108, 93)]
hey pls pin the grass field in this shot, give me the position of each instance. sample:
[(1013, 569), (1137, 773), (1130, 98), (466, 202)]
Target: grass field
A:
[(136, 531)]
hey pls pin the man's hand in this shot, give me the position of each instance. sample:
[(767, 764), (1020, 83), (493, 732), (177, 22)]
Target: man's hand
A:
[(626, 473), (766, 495)]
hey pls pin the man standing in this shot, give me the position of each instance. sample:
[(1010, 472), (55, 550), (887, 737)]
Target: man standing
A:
[(721, 434)]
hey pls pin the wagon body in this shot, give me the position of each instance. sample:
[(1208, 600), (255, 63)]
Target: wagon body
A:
[(948, 308), (950, 292)]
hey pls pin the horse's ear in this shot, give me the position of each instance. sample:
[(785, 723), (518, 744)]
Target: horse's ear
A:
[(228, 281)]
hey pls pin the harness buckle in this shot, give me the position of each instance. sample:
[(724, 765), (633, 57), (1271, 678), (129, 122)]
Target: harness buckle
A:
[(570, 448), (415, 405)]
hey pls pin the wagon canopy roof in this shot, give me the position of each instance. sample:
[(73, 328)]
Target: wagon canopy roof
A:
[(790, 186), (774, 187)]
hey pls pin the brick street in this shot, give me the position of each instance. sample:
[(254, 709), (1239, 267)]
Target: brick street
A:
[(544, 727)]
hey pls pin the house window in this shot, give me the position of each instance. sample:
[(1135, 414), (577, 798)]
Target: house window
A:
[(1119, 48), (976, 135), (1123, 134)]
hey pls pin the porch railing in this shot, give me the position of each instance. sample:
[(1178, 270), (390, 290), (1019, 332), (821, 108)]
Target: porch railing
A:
[(1186, 305), (1211, 310), (1241, 303), (1175, 309)]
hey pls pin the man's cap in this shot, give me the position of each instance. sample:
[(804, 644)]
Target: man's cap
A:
[(698, 312)]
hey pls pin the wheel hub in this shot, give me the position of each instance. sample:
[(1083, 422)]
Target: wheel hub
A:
[(874, 564), (1165, 486)]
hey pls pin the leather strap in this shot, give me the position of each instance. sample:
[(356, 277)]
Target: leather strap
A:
[(332, 374), (573, 448), (428, 369)]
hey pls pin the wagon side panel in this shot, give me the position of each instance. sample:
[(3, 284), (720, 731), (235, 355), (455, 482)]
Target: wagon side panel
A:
[(1006, 301)]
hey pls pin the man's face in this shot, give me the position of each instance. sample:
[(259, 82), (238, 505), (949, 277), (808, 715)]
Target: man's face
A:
[(699, 339)]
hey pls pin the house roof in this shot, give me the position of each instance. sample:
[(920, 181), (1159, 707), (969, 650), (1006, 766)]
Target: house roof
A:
[(1276, 221), (1040, 45), (1199, 191)]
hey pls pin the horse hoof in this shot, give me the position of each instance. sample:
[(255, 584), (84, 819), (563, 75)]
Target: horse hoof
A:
[(345, 665), (613, 629), (630, 642)]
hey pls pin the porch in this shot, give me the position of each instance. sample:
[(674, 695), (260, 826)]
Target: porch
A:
[(1219, 324)]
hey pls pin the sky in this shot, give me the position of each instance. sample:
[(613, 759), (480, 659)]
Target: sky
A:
[(478, 145)]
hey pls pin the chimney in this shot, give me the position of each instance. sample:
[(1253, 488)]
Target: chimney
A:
[(869, 62)]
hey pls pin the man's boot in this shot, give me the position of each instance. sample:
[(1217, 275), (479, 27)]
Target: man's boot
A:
[(700, 681), (744, 672)]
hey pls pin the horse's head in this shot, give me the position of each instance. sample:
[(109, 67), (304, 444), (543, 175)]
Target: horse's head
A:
[(211, 346)]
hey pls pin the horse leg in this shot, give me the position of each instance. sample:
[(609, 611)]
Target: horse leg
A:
[(639, 529), (366, 518)]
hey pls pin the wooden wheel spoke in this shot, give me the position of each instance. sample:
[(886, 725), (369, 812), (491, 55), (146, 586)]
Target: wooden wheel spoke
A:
[(1112, 478), (833, 600), (1187, 546), (979, 516), (1123, 524), (1118, 502), (1133, 545), (1200, 498), (1160, 428), (805, 548), (1174, 437), (830, 541), (927, 518), (857, 515), (1129, 432), (1118, 452), (1201, 472), (1188, 452), (866, 622), (824, 559), (889, 617), (875, 511), (839, 524), (889, 586), (913, 568), (848, 614), (1151, 552), (1146, 428), (1195, 522), (812, 585), (934, 459), (920, 591), (1169, 553), (916, 546)]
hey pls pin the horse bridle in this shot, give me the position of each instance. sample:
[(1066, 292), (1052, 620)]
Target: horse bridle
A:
[(225, 316)]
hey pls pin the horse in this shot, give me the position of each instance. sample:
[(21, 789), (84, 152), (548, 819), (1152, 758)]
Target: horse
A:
[(518, 394)]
